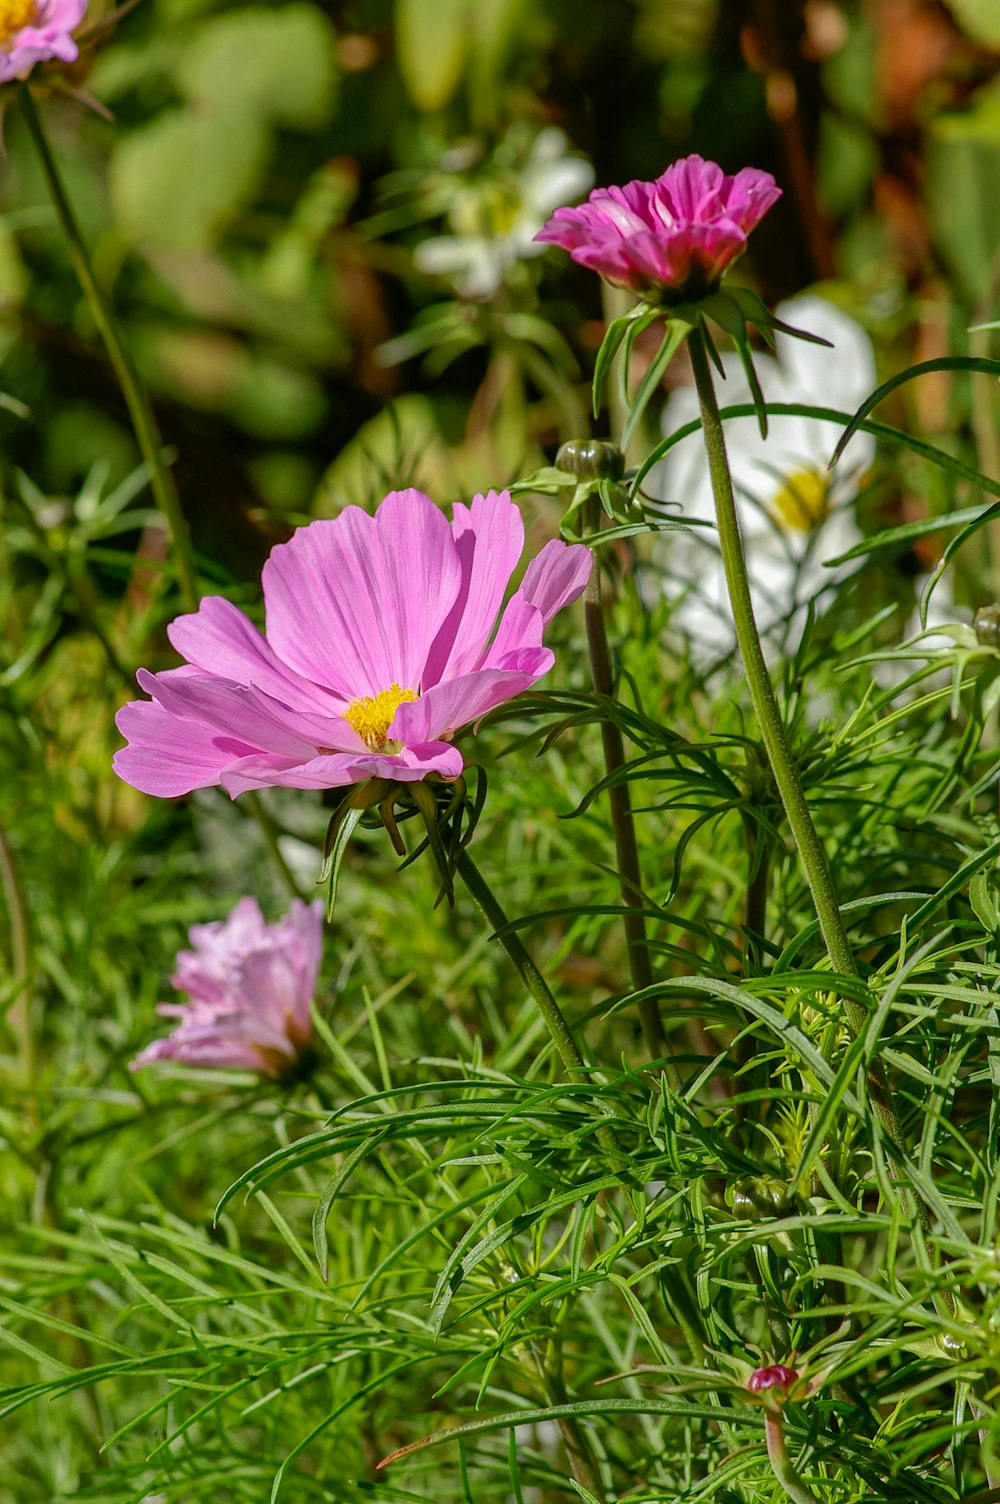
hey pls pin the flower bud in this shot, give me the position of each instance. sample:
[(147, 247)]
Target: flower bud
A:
[(759, 1197), (591, 459), (986, 625), (776, 1381)]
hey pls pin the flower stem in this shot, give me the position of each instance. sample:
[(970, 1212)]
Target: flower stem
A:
[(779, 751), (781, 1464), (620, 801), (547, 1359), (143, 422), (19, 1017), (555, 1020)]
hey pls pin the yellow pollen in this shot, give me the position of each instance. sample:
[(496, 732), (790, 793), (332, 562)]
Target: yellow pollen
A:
[(803, 501), (372, 716), (15, 15)]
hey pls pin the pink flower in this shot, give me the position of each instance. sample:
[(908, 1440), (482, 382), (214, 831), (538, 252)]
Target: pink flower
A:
[(677, 234), (250, 984), (379, 646), (32, 31)]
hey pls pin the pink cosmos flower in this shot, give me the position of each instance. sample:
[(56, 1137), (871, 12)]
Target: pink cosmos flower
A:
[(382, 640), (32, 31), (250, 985), (678, 234)]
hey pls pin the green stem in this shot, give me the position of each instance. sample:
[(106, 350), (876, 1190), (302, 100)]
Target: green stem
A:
[(144, 424), (620, 800), (781, 1464), (547, 1359), (555, 1020), (19, 1013), (779, 751), (755, 912)]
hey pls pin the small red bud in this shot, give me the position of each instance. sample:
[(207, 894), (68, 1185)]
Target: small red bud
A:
[(775, 1377)]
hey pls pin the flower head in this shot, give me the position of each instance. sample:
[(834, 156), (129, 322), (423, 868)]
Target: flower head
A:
[(250, 985), (494, 214), (384, 636), (32, 31), (794, 513), (777, 1377), (671, 239)]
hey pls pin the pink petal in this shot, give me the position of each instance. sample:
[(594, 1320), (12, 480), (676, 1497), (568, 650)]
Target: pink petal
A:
[(439, 713), (413, 762), (556, 576), (355, 603), (166, 757), (489, 537), (219, 639), (250, 716)]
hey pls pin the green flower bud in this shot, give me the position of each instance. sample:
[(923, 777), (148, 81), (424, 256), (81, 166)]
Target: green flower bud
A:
[(591, 459), (759, 1197), (986, 625)]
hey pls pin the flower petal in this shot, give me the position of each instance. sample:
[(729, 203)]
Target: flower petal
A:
[(489, 538), (249, 715), (454, 703), (355, 603), (338, 770), (219, 639), (166, 756), (556, 576)]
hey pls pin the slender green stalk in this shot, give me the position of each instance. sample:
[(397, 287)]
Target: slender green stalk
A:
[(19, 1014), (620, 800), (781, 1464), (269, 830), (144, 424), (489, 907), (755, 911), (555, 1020), (779, 751), (547, 1358)]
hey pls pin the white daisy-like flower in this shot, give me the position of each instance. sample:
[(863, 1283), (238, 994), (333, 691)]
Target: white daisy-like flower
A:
[(495, 215), (795, 515)]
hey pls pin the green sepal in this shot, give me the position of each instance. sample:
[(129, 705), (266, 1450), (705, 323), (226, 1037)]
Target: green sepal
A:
[(676, 331), (627, 328), (727, 313), (757, 313), (341, 827), (423, 797)]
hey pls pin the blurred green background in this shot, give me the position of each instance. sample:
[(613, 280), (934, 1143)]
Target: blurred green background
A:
[(255, 202)]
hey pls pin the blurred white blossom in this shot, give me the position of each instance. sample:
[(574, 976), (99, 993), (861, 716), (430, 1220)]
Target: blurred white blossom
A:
[(795, 514), (494, 212)]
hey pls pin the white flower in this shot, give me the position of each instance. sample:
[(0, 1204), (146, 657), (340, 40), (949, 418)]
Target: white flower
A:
[(496, 215), (795, 515)]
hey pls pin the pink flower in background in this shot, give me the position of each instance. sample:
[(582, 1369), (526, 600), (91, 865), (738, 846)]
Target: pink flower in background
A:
[(679, 233), (384, 635), (32, 31), (250, 985)]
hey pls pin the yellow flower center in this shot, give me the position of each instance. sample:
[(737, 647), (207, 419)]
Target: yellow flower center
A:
[(372, 715), (803, 501), (15, 15)]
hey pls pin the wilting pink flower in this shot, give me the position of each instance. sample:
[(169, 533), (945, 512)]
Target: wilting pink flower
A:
[(32, 31), (776, 1377), (379, 646), (676, 235), (250, 985)]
